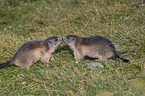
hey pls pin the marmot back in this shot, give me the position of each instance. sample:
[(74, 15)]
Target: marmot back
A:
[(33, 51), (96, 47)]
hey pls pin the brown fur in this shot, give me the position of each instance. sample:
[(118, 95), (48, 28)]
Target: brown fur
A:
[(95, 47), (33, 51)]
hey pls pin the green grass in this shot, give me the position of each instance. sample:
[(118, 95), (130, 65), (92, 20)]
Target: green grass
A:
[(26, 20)]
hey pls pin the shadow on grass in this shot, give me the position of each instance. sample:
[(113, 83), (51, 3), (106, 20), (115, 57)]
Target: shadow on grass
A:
[(66, 47)]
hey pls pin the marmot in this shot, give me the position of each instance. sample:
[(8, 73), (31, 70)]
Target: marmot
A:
[(96, 47), (33, 51)]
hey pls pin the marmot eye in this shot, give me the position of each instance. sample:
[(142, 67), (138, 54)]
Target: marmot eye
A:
[(55, 39), (67, 37)]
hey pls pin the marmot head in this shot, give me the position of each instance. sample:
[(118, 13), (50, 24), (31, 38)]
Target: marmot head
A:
[(53, 41), (70, 39)]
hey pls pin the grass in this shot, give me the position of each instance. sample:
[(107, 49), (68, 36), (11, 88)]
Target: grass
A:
[(26, 20)]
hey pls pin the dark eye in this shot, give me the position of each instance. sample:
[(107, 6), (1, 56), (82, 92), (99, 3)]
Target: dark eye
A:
[(67, 37), (55, 39)]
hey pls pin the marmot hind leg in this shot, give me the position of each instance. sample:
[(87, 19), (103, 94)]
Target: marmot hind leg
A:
[(102, 58)]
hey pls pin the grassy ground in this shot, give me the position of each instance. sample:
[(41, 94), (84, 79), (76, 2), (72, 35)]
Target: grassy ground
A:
[(26, 20)]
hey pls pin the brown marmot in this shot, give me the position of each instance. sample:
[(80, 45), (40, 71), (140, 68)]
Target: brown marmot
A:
[(33, 51), (96, 47)]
